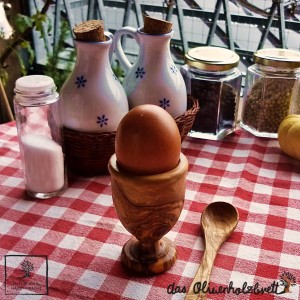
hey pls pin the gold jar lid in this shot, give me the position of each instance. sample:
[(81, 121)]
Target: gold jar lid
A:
[(277, 58), (212, 58)]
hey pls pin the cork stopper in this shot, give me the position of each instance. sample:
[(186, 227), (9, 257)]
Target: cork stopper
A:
[(90, 31), (156, 26)]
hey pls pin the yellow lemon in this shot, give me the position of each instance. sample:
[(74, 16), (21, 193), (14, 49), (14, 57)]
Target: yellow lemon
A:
[(289, 135)]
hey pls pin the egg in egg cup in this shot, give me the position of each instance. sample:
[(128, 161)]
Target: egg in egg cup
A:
[(148, 206)]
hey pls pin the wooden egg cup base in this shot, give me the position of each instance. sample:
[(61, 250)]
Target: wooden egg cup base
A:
[(149, 259)]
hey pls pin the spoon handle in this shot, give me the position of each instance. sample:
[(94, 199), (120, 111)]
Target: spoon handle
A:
[(200, 283)]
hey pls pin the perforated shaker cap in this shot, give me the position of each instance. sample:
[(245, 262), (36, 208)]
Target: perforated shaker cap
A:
[(35, 84)]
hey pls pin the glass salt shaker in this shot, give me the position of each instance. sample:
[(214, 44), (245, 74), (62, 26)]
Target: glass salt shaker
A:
[(272, 91), (39, 126), (212, 77)]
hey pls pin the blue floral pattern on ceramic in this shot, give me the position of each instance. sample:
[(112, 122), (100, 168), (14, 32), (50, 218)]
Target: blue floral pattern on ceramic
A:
[(80, 81), (164, 103), (102, 120), (139, 73), (174, 69)]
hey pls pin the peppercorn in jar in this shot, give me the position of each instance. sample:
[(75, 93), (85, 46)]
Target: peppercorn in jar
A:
[(212, 78), (271, 91)]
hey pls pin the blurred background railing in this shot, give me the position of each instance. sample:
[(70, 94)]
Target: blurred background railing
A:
[(243, 26)]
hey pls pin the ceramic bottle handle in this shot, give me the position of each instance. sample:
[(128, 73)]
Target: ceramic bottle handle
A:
[(111, 48), (118, 47)]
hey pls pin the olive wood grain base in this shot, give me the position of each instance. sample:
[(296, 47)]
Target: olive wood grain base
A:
[(149, 259)]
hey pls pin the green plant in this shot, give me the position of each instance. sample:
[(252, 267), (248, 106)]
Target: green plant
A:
[(56, 67), (20, 39), (118, 71)]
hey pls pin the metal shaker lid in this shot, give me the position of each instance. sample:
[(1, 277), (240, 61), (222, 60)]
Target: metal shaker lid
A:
[(34, 84)]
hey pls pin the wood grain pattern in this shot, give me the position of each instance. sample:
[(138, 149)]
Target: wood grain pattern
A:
[(218, 221), (148, 207), (149, 258)]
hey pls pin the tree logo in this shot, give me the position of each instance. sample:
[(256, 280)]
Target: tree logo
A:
[(287, 279), (20, 276), (27, 267)]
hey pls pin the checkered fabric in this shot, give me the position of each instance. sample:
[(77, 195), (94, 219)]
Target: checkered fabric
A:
[(82, 238)]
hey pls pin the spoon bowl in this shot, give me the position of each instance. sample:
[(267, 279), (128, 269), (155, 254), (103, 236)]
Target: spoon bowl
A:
[(219, 217), (218, 221)]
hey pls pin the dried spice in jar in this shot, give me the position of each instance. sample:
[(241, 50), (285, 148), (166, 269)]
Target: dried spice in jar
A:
[(211, 76), (271, 91)]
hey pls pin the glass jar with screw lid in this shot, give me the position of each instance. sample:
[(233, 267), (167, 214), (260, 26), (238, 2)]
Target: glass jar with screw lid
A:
[(212, 77), (272, 91)]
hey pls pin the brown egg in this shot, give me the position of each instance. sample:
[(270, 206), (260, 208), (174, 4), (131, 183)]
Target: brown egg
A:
[(147, 141)]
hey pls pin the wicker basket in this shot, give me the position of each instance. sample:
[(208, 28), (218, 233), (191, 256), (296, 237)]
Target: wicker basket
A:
[(87, 154), (186, 120)]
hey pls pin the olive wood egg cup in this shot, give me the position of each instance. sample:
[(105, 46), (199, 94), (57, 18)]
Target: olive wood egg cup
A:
[(148, 206)]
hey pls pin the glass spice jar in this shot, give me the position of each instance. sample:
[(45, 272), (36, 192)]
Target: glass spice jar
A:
[(211, 76), (39, 125), (272, 91)]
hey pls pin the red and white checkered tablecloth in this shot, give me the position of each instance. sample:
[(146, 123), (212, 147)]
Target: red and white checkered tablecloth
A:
[(73, 242)]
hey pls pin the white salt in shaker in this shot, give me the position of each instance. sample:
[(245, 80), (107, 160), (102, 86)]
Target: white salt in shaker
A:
[(39, 129)]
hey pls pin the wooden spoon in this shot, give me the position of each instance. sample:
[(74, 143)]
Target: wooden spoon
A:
[(218, 221)]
